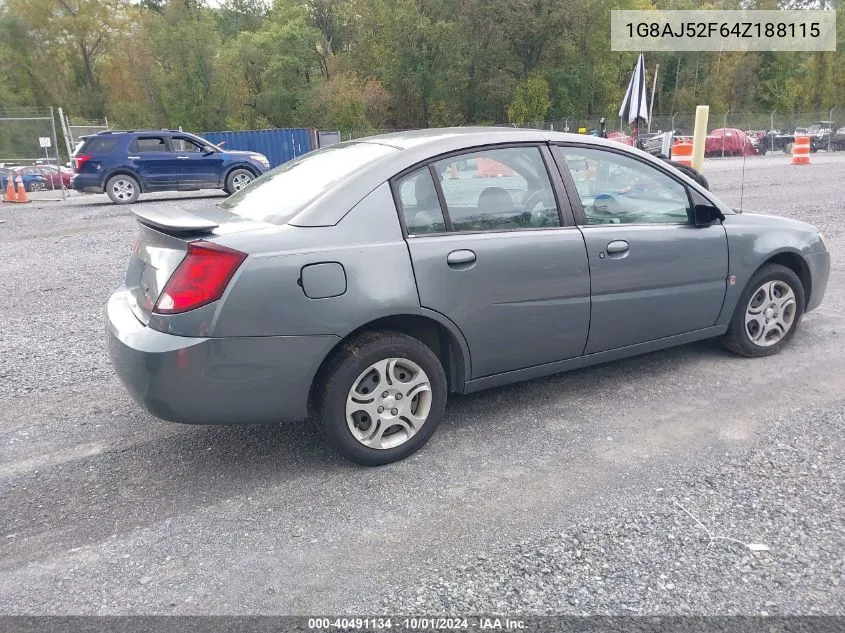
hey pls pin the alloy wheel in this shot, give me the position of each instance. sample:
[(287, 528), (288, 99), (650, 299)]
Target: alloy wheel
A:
[(240, 181), (123, 189)]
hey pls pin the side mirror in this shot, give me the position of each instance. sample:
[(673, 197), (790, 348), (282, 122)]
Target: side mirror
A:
[(208, 151), (706, 214)]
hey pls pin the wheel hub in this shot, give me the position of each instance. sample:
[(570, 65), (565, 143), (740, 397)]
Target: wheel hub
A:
[(770, 313), (388, 403)]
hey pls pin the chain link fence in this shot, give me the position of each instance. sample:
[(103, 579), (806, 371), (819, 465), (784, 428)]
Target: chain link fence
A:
[(772, 131), (76, 129), (29, 148)]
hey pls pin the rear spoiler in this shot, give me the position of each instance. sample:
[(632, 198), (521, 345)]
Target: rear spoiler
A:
[(174, 220)]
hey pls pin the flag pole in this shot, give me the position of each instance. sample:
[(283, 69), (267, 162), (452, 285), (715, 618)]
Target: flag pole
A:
[(653, 89)]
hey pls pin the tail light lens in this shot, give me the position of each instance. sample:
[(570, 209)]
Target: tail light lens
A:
[(80, 160), (200, 278)]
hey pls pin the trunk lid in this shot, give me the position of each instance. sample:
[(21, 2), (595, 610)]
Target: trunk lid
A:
[(163, 243)]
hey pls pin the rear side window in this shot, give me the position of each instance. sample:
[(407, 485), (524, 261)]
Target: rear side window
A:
[(498, 190), (148, 144), (420, 205), (98, 145)]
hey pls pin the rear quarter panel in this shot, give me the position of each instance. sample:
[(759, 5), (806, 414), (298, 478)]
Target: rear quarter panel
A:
[(753, 239), (266, 297)]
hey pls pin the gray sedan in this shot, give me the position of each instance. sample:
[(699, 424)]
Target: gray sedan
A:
[(362, 283)]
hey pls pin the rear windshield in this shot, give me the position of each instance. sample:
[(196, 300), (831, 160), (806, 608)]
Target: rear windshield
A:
[(284, 191), (97, 145)]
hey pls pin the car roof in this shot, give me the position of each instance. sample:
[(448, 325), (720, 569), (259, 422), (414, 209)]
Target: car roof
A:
[(476, 135), (419, 146), (108, 132)]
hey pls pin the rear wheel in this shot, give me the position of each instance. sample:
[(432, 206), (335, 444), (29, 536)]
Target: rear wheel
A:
[(380, 399), (123, 189), (767, 314), (37, 185), (238, 179)]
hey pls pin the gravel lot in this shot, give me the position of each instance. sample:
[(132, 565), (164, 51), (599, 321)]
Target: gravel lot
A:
[(563, 495)]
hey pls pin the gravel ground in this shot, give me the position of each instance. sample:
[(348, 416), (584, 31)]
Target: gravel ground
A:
[(107, 510), (760, 533)]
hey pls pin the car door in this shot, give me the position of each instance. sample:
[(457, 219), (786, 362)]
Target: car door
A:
[(653, 272), (493, 251), (151, 158), (196, 168)]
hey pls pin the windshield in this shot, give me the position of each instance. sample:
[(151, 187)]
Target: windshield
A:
[(282, 192)]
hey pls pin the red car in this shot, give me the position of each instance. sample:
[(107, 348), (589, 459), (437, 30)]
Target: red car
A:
[(729, 141), (53, 176)]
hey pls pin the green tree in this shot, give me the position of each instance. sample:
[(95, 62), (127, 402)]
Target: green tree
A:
[(269, 72), (531, 101)]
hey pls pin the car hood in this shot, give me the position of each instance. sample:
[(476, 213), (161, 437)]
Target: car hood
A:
[(239, 152)]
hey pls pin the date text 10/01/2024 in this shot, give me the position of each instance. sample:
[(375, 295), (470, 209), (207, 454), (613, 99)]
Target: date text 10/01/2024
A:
[(417, 624)]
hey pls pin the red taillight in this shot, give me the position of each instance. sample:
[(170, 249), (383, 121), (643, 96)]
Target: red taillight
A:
[(80, 160), (201, 278)]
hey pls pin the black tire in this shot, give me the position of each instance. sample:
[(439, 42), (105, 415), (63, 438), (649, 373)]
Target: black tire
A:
[(332, 386), (123, 189), (236, 175), (736, 339), (37, 185)]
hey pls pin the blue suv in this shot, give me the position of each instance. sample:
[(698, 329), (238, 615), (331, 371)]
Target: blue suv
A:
[(125, 164)]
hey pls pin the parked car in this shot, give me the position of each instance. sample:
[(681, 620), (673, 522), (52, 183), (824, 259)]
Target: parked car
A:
[(362, 283), (125, 164), (53, 178), (31, 181), (729, 142), (823, 135), (838, 141)]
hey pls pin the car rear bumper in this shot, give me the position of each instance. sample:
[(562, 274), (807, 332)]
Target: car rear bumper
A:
[(238, 380), (87, 183), (819, 265)]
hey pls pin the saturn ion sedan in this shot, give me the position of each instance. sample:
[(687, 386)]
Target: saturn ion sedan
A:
[(360, 284)]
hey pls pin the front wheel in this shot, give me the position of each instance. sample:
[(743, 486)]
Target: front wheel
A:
[(767, 314), (237, 180), (37, 185), (123, 189), (380, 399)]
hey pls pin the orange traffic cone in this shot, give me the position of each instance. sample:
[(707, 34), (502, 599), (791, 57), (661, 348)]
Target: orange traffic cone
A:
[(10, 190), (21, 191)]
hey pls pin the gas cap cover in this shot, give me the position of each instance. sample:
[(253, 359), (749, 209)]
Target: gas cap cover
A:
[(323, 280)]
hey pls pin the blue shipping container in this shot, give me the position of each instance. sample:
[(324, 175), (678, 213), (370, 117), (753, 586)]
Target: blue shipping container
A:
[(278, 145)]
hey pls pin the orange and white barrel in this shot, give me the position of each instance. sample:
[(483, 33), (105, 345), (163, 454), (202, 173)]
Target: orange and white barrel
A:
[(801, 151), (682, 153)]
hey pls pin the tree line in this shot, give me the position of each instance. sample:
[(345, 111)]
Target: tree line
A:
[(376, 64)]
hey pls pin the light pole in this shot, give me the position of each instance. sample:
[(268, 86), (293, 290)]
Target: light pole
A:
[(772, 130), (830, 133)]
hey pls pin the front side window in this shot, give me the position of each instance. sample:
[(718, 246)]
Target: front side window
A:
[(420, 205), (498, 189), (183, 145), (617, 189), (148, 144)]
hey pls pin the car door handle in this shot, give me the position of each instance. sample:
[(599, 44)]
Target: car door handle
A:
[(184, 157), (617, 246), (134, 157), (462, 257)]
